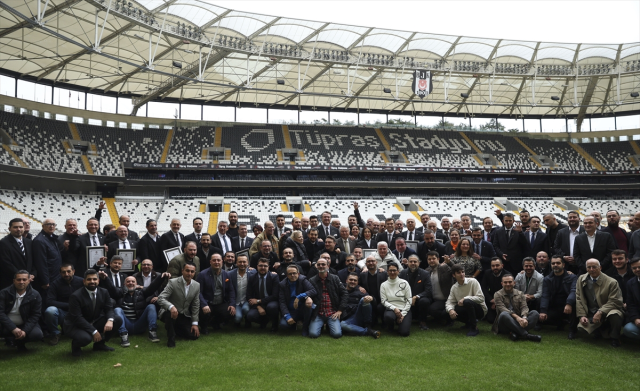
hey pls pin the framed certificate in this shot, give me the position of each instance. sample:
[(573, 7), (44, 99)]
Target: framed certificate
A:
[(94, 253), (128, 255), (171, 253), (367, 252), (412, 244), (439, 240), (244, 252)]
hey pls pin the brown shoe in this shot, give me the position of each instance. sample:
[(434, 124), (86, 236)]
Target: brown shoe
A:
[(55, 338)]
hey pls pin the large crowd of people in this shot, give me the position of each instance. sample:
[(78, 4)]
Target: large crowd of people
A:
[(356, 277)]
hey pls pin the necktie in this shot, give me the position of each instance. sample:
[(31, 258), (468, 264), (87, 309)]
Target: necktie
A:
[(116, 278), (198, 236), (488, 239), (93, 299), (242, 243), (477, 249), (389, 238), (533, 237), (594, 280), (21, 247), (410, 235), (226, 247), (327, 230), (261, 288), (400, 257), (346, 246), (177, 239), (94, 241), (124, 244)]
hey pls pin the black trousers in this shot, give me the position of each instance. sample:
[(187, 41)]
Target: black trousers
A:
[(421, 309), (32, 336), (470, 312), (391, 320), (437, 309), (377, 311), (219, 314), (272, 310), (613, 323), (556, 316), (507, 324), (534, 304), (82, 338), (181, 326), (305, 265)]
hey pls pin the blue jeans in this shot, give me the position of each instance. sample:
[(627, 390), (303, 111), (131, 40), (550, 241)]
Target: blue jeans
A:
[(632, 331), (241, 310), (354, 324), (147, 321), (316, 326), (53, 317)]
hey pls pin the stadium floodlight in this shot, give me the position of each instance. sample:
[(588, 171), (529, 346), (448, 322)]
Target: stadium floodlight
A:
[(387, 90), (280, 82), (177, 64), (555, 98), (635, 94), (464, 95)]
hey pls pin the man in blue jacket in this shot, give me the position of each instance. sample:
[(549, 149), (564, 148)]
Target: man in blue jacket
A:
[(559, 297), (295, 299), (217, 296)]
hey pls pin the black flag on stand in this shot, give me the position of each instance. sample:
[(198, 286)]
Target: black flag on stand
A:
[(422, 85)]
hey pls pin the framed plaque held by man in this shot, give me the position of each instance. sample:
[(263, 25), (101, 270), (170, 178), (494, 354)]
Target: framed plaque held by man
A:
[(128, 256), (171, 253), (94, 253)]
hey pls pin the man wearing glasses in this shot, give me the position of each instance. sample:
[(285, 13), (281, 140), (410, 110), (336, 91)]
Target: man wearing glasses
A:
[(262, 292), (396, 297), (47, 258), (295, 299)]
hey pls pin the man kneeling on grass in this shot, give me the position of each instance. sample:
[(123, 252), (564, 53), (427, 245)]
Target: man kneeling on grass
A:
[(466, 301), (330, 299), (295, 300), (514, 316), (136, 314), (356, 318)]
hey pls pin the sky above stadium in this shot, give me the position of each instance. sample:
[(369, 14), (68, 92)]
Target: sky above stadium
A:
[(548, 21)]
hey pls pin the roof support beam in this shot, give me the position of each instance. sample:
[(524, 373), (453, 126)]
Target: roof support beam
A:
[(363, 87), (568, 80), (475, 82), (524, 79), (48, 13), (586, 99)]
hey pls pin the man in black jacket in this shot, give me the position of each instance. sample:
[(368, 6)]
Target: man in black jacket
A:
[(330, 301), (15, 254), (564, 239), (441, 282), (510, 244), (429, 244), (20, 311), (58, 300), (131, 235), (262, 294), (137, 315), (92, 238), (632, 328), (558, 302), (149, 247), (482, 250), (370, 280), (47, 258), (620, 271), (91, 317), (601, 248), (356, 318), (122, 243), (420, 282), (312, 244), (491, 283), (295, 298)]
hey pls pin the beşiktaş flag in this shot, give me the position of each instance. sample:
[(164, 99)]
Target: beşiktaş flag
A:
[(422, 85)]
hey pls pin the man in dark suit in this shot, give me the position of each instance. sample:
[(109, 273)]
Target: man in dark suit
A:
[(180, 306), (420, 282), (89, 239), (170, 239), (91, 316), (621, 237), (263, 294), (446, 228), (510, 243), (59, 293), (68, 241), (437, 233), (145, 277), (632, 328), (205, 249), (553, 227), (27, 227), (123, 243), (197, 232), (370, 280), (132, 235), (216, 306), (389, 236), (402, 252), (20, 310), (242, 241), (280, 229), (441, 282), (221, 239), (593, 244), (536, 239), (344, 243), (149, 247), (412, 233), (265, 252), (350, 267), (326, 228), (15, 254), (113, 274), (483, 251), (424, 219), (429, 244), (337, 256), (565, 240), (488, 229), (312, 244), (47, 258)]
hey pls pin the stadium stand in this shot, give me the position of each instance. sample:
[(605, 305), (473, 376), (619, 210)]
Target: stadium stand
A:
[(253, 144), (188, 143), (613, 156), (506, 149), (560, 152)]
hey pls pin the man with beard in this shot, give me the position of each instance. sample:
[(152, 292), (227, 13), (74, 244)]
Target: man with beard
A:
[(149, 247), (620, 271), (229, 261), (510, 244), (20, 310), (558, 302), (491, 283), (620, 236), (314, 270), (239, 278), (542, 264), (337, 256), (58, 300), (356, 318), (441, 281), (287, 260), (266, 235), (233, 228), (91, 317), (632, 328), (180, 304), (137, 315), (530, 283), (429, 244), (553, 227), (370, 280), (197, 231), (188, 257), (420, 282), (312, 244), (265, 252), (205, 249), (330, 300), (514, 317), (565, 240), (263, 294), (351, 267)]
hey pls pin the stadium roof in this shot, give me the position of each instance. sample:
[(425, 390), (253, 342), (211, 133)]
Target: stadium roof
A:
[(192, 50)]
